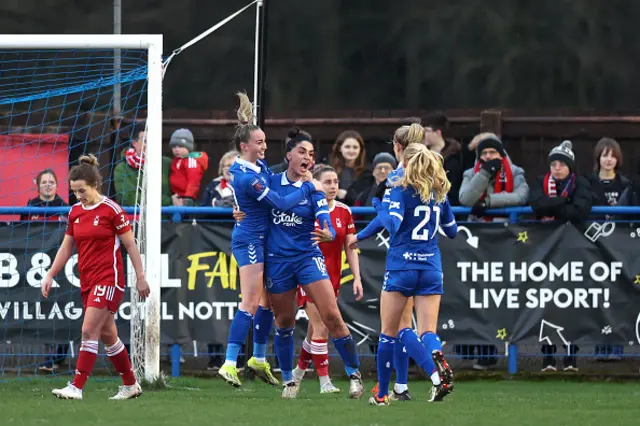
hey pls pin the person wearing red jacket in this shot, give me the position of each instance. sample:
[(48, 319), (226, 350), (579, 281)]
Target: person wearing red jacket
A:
[(187, 168)]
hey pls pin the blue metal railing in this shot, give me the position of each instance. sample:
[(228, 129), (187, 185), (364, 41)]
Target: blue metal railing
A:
[(179, 213)]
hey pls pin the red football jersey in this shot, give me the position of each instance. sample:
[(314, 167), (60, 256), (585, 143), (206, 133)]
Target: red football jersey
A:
[(342, 223), (186, 174), (95, 230)]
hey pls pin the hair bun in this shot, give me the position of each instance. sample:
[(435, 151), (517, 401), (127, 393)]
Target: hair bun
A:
[(89, 159), (293, 133)]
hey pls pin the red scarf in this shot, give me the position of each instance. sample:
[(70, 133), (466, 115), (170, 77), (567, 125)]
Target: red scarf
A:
[(223, 183), (551, 190), (503, 181), (134, 160)]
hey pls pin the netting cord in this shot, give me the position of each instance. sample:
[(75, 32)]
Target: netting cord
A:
[(193, 41)]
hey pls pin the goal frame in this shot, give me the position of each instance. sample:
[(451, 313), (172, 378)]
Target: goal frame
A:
[(152, 43)]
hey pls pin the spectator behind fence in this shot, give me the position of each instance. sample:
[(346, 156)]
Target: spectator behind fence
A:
[(562, 194), (126, 175), (219, 192), (383, 164), (187, 168), (607, 184), (450, 150), (494, 182), (47, 185), (348, 158)]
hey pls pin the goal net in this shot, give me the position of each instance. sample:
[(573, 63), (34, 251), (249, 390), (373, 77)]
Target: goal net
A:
[(62, 97)]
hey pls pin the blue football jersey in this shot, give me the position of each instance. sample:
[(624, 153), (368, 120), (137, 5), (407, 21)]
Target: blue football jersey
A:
[(290, 232), (413, 226), (253, 196)]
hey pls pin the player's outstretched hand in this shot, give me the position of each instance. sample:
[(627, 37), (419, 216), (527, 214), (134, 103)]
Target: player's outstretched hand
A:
[(307, 177), (45, 286), (317, 184), (238, 214), (322, 235), (358, 292), (143, 287)]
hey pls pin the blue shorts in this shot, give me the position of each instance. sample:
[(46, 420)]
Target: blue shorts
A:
[(248, 253), (413, 282), (283, 276)]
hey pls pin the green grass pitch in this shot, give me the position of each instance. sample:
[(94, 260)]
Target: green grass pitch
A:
[(197, 402)]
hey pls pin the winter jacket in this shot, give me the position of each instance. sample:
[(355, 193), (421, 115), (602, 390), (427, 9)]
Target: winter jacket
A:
[(575, 209), (186, 174), (217, 196), (474, 185), (125, 180)]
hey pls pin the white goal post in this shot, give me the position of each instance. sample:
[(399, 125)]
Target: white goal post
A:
[(151, 197)]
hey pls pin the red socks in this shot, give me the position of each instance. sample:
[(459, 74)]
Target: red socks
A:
[(86, 360), (119, 357)]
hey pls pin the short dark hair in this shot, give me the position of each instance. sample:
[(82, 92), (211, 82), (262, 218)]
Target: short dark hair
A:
[(46, 172), (603, 145), (436, 120)]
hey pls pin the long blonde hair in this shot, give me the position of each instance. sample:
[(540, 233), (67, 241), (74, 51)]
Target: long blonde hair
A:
[(425, 173), (245, 120)]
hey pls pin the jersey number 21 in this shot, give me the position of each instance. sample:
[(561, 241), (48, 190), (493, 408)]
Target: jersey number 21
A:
[(420, 232)]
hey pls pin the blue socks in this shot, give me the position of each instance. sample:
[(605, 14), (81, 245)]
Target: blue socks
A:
[(431, 341), (262, 324), (237, 336), (283, 343), (386, 345), (401, 362), (346, 347), (417, 350)]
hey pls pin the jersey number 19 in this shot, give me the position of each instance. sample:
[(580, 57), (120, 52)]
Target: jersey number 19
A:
[(420, 232)]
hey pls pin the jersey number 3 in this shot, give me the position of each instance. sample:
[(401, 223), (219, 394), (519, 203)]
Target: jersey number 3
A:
[(420, 232)]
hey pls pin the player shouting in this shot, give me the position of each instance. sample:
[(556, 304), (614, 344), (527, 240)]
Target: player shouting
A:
[(293, 258), (250, 177), (97, 226), (314, 347), (418, 207)]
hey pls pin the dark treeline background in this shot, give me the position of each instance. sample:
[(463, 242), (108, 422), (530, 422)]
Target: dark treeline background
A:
[(379, 54)]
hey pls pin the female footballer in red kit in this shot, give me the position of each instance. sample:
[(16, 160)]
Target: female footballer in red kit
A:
[(97, 226), (314, 347)]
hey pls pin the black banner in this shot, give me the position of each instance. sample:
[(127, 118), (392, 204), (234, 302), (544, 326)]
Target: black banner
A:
[(544, 283)]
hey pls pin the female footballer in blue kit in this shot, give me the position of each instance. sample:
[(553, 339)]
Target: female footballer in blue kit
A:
[(295, 259), (250, 181), (402, 138), (418, 206)]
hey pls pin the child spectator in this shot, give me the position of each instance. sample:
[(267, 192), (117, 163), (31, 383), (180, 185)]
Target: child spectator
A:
[(561, 194), (47, 185), (219, 192), (494, 181), (187, 168), (383, 164), (607, 184), (126, 179), (348, 158)]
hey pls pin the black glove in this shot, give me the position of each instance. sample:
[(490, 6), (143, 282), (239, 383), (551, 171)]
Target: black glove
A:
[(492, 166), (479, 208), (380, 190)]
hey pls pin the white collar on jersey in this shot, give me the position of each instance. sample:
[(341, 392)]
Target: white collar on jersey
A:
[(285, 181), (248, 165), (93, 206)]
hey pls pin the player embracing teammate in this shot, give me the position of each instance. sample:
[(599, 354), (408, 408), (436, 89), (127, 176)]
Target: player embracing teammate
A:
[(417, 208), (97, 226)]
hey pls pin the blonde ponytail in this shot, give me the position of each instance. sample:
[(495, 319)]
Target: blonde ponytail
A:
[(425, 173)]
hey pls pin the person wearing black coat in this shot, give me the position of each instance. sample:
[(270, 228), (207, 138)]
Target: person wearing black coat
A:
[(561, 194)]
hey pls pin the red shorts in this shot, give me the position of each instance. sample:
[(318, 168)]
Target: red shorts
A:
[(103, 296), (302, 298)]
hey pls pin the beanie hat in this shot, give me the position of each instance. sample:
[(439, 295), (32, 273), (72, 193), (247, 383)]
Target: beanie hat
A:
[(384, 157), (563, 153), (182, 137), (490, 142)]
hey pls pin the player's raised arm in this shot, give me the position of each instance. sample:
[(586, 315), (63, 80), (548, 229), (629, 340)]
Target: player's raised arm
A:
[(393, 217), (258, 189), (62, 256), (326, 232), (375, 225), (449, 225)]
